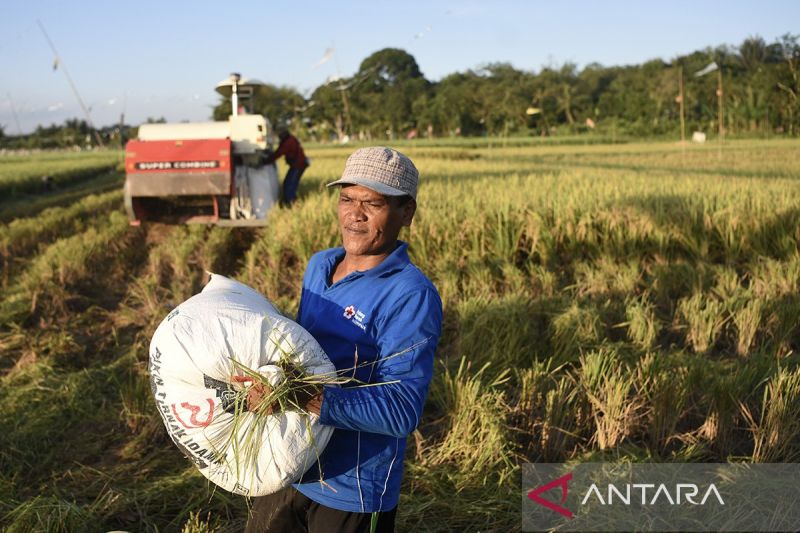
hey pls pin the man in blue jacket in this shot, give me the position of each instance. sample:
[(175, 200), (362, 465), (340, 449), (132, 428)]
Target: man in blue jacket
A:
[(378, 317)]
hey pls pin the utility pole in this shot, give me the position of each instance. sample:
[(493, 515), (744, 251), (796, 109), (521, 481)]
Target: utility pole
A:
[(681, 99), (343, 90), (121, 129), (14, 112), (72, 85), (346, 102), (122, 121), (719, 101)]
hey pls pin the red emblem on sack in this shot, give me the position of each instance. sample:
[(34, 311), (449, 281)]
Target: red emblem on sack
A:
[(194, 410)]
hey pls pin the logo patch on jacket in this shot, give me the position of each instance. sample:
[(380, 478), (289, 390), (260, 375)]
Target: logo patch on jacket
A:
[(355, 316)]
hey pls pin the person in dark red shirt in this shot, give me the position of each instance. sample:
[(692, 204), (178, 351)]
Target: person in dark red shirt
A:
[(296, 159)]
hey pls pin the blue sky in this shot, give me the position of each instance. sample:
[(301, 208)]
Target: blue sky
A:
[(150, 58)]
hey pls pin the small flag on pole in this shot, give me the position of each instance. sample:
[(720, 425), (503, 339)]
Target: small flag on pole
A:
[(325, 57), (711, 67)]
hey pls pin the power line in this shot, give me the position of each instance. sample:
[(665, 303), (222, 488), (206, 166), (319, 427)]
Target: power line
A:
[(59, 61)]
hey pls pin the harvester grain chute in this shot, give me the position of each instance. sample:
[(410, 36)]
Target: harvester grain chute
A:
[(204, 172)]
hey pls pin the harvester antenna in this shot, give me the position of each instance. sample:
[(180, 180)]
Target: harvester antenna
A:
[(235, 79), (58, 61)]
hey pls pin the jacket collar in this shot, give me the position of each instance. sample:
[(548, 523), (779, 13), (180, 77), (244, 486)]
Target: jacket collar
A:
[(395, 261)]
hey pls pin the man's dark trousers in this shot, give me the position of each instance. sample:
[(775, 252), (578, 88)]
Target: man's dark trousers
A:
[(289, 511)]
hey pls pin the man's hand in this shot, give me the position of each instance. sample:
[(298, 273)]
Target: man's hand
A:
[(258, 393), (256, 399), (308, 398), (314, 404)]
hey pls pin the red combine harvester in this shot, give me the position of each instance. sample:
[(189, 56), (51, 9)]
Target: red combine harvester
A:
[(205, 172)]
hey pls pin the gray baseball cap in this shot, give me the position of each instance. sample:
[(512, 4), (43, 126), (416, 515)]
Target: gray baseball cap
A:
[(381, 169)]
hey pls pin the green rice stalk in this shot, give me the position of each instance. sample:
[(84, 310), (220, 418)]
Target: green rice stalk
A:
[(704, 318), (560, 422), (609, 386), (777, 432), (642, 324), (747, 321), (573, 329), (475, 440), (663, 387)]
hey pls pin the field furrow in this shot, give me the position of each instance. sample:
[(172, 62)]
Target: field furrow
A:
[(32, 204), (24, 237), (21, 174)]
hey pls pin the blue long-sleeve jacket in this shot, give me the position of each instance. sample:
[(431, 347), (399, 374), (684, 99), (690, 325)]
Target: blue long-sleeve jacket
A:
[(384, 323)]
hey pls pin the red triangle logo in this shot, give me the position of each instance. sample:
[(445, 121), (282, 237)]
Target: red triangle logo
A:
[(562, 482)]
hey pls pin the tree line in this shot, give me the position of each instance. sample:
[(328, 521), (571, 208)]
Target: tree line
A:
[(389, 97)]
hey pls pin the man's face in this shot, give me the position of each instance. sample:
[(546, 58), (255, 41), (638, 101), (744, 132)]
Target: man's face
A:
[(369, 221)]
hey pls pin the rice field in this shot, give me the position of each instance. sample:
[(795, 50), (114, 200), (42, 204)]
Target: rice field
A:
[(634, 301), (21, 174)]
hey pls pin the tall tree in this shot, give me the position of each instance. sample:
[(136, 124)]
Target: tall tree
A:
[(789, 81), (384, 88), (753, 54), (327, 111)]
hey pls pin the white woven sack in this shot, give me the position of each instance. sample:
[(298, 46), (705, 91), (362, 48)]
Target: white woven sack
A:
[(193, 380)]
